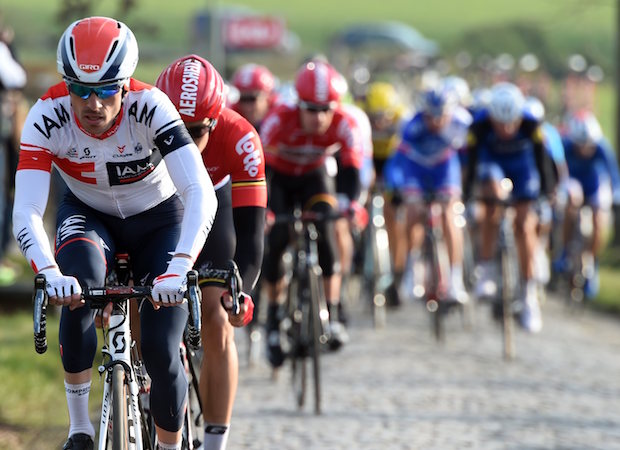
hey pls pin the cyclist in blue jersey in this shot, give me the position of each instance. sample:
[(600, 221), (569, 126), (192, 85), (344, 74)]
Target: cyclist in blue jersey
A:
[(594, 181), (549, 212), (425, 162), (505, 141)]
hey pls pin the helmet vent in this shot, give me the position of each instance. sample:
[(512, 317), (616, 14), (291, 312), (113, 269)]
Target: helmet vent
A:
[(112, 51), (72, 47)]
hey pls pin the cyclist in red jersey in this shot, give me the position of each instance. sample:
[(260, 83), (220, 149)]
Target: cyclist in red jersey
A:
[(256, 85), (130, 167), (233, 155), (297, 140)]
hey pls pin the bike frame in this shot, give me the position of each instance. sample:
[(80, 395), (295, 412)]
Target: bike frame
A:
[(118, 351), (377, 265)]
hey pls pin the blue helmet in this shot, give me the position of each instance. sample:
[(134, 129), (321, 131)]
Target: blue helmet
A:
[(438, 101)]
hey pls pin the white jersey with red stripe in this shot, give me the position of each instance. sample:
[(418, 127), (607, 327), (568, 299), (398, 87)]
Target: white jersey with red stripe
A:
[(120, 173), (117, 173)]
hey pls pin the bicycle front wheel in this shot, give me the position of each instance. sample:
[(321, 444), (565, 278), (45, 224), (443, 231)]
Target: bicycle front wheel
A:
[(315, 330), (508, 294), (296, 334), (120, 391)]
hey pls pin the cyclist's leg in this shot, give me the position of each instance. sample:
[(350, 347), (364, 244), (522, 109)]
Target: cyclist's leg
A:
[(415, 214), (526, 189), (282, 191), (319, 195), (489, 174), (574, 200), (448, 184), (150, 237), (219, 370), (402, 176), (598, 195), (84, 248), (395, 228)]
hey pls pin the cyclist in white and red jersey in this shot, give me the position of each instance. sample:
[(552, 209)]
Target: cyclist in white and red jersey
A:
[(257, 96), (130, 166), (233, 155), (297, 140)]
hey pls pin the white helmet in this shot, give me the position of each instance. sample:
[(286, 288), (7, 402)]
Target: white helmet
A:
[(535, 107), (460, 88), (507, 103), (481, 98), (97, 50), (582, 127)]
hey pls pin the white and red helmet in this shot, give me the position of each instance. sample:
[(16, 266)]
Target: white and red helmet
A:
[(195, 87), (97, 50), (318, 82), (253, 77)]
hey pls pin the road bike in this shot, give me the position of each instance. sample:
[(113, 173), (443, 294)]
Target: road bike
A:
[(125, 422), (376, 268), (306, 324), (503, 305), (436, 267), (580, 260)]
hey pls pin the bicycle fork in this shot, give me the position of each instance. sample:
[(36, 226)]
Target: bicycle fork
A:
[(118, 350)]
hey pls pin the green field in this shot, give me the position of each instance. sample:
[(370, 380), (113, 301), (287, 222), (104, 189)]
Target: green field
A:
[(164, 27), (553, 29), (33, 410)]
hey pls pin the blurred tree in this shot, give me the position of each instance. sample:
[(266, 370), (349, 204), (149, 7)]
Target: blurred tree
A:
[(126, 6), (71, 10)]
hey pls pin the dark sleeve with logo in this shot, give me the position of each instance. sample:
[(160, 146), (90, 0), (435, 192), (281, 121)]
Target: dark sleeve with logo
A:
[(476, 133), (249, 229), (544, 164), (172, 139)]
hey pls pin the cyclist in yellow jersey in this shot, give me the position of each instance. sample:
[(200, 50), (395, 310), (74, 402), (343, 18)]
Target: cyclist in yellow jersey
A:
[(387, 112)]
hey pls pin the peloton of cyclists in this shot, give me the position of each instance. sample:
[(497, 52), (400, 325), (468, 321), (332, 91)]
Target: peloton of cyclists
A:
[(136, 183), (233, 155), (427, 161), (506, 142)]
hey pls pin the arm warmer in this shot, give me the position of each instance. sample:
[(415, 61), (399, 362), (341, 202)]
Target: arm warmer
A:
[(31, 193), (249, 229), (350, 182), (195, 187)]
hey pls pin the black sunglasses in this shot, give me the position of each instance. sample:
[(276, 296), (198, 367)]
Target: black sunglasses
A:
[(198, 131), (315, 107), (248, 98)]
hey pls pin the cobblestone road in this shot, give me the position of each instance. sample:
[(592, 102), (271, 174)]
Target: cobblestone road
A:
[(396, 388)]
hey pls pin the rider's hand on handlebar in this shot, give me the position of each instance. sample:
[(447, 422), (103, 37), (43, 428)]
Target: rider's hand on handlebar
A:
[(246, 309), (62, 290), (169, 288)]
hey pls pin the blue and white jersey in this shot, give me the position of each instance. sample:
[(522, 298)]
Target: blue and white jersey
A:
[(485, 137), (428, 149), (602, 164)]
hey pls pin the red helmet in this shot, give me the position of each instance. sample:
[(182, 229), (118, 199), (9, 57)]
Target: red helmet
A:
[(318, 82), (253, 77), (195, 87), (97, 50)]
